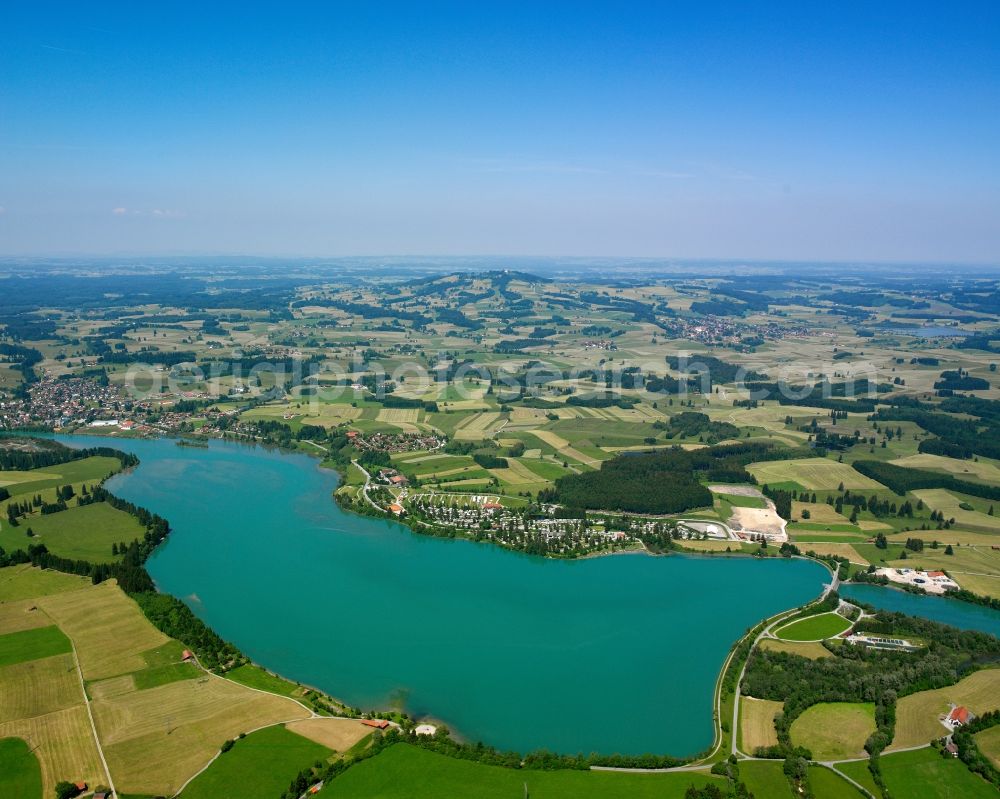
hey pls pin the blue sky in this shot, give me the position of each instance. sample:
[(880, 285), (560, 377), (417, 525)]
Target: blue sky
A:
[(719, 130)]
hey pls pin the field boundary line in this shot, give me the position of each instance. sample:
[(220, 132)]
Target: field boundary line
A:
[(90, 716)]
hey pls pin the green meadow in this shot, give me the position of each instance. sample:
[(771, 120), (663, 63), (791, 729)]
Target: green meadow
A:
[(813, 628), (84, 532), (404, 771), (926, 774), (20, 774), (41, 642), (260, 766)]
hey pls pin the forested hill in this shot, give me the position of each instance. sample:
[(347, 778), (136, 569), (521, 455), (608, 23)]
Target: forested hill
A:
[(668, 481)]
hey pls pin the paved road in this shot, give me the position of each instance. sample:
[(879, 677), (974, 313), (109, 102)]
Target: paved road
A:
[(364, 488)]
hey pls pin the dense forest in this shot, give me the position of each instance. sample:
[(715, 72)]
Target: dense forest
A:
[(667, 481)]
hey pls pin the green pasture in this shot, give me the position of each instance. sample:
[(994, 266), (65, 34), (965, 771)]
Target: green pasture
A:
[(404, 771), (41, 642), (260, 766)]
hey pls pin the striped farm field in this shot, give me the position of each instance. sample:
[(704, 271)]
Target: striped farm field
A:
[(336, 734), (757, 723), (478, 426), (21, 614), (37, 687), (917, 714), (418, 457), (63, 743), (950, 505), (155, 739), (981, 469), (516, 472), (806, 649), (26, 582), (107, 627), (813, 473), (563, 449), (403, 418), (828, 548)]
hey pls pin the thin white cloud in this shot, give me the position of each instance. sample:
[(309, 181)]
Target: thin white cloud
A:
[(157, 213), (663, 173), (550, 167), (62, 49)]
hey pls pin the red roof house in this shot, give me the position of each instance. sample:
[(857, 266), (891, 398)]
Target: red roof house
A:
[(379, 724), (960, 715)]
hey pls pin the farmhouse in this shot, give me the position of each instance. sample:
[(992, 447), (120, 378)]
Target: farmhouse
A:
[(397, 509), (378, 724), (959, 716)]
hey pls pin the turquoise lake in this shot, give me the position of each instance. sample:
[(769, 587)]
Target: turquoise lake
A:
[(955, 612), (611, 654)]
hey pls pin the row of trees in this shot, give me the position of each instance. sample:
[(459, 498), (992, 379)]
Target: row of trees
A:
[(903, 479)]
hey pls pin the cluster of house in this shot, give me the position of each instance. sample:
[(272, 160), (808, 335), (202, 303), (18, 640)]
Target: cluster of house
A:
[(392, 477), (506, 521), (395, 442), (723, 330), (57, 402), (933, 582)]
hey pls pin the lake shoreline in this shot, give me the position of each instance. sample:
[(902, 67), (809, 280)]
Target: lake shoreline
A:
[(459, 726)]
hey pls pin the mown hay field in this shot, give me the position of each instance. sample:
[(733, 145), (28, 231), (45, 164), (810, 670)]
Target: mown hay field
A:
[(338, 735), (37, 687), (806, 649), (835, 730), (757, 723), (155, 739), (63, 743), (917, 715), (815, 474), (108, 629)]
